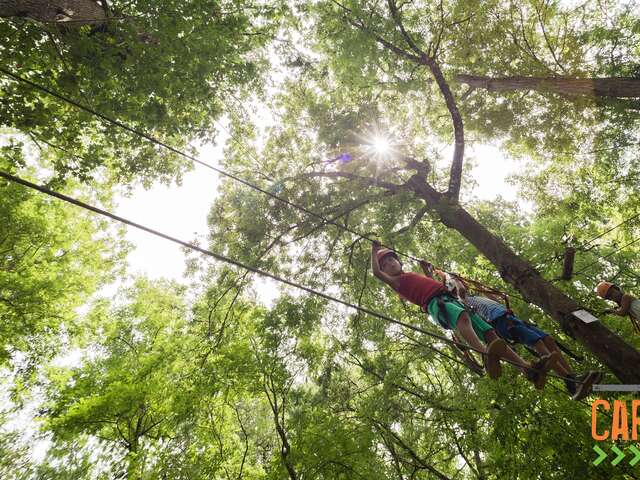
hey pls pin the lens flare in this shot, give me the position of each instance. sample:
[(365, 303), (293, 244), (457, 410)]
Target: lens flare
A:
[(381, 145)]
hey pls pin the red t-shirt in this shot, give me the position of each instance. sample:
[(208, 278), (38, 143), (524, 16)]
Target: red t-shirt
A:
[(418, 289)]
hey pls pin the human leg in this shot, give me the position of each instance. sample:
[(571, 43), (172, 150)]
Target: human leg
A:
[(452, 315), (466, 331), (489, 333), (551, 344)]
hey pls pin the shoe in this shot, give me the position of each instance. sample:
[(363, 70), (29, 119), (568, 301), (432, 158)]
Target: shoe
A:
[(570, 383), (584, 388), (599, 377), (492, 366), (492, 358), (538, 371)]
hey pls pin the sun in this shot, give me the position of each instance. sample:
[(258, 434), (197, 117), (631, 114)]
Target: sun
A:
[(381, 145)]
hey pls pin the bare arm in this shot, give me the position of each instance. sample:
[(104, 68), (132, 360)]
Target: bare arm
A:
[(375, 267), (429, 271), (427, 268), (494, 297), (461, 289), (625, 305), (442, 276)]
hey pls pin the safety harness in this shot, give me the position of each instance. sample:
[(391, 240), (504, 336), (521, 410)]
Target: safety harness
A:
[(478, 287)]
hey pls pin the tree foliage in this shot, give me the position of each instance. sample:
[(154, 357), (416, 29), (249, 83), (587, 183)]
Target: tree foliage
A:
[(53, 259), (166, 68), (206, 380)]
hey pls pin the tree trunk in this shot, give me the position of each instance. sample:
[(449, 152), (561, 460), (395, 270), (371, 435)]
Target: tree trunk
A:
[(78, 12), (567, 266), (618, 87), (133, 461), (609, 348)]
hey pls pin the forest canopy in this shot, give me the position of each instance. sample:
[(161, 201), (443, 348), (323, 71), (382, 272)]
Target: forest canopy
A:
[(336, 123)]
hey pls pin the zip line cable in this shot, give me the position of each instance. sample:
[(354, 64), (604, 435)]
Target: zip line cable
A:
[(223, 258), (580, 272), (612, 229), (584, 245), (192, 158), (158, 142)]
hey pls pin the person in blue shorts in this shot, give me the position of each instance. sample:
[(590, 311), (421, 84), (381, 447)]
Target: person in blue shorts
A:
[(509, 327)]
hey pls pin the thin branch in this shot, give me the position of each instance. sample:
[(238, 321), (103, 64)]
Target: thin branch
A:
[(359, 24), (246, 443), (548, 40), (436, 43), (418, 216), (374, 182), (455, 178), (458, 127), (395, 14), (411, 452)]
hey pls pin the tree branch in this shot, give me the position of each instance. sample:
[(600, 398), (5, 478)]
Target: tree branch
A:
[(411, 452), (395, 14), (418, 216), (455, 177), (359, 24), (445, 90), (374, 182)]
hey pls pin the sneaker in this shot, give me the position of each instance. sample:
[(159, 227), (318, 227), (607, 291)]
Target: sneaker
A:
[(570, 383), (492, 358), (584, 388), (599, 377)]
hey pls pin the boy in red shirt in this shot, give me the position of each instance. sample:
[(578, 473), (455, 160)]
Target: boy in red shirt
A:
[(433, 297)]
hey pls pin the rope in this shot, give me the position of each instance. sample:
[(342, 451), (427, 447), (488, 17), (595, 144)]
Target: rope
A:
[(584, 246), (611, 229), (158, 142), (580, 272), (223, 258), (481, 288), (162, 144)]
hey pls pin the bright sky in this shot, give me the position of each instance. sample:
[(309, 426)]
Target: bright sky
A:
[(491, 173), (182, 211)]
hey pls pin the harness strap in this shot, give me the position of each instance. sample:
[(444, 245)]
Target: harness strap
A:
[(442, 312), (481, 288), (442, 317)]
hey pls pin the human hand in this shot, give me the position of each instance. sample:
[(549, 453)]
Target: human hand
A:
[(426, 265)]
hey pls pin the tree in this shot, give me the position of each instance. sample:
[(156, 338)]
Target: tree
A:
[(163, 68), (77, 11), (52, 260), (411, 180), (130, 394), (570, 87), (208, 383)]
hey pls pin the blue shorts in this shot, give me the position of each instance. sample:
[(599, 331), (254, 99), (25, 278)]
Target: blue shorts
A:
[(512, 328)]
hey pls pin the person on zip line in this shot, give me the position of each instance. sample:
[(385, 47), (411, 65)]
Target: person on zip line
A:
[(433, 298), (627, 304), (512, 329)]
